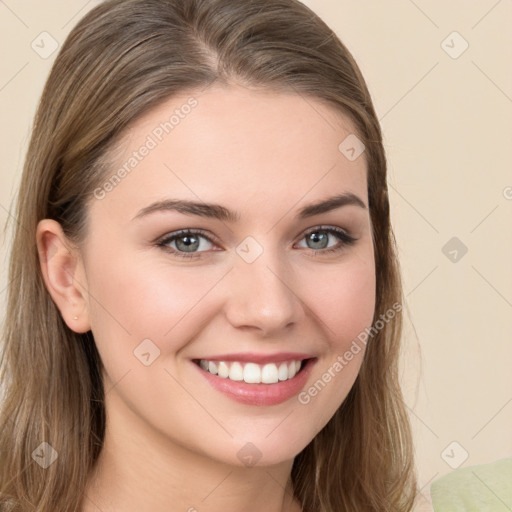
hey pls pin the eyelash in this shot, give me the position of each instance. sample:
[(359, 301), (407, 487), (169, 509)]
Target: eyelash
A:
[(346, 240)]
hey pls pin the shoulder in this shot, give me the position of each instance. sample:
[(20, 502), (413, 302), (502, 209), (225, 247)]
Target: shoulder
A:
[(485, 487)]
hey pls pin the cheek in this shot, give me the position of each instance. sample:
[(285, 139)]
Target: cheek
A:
[(140, 298), (343, 299), (344, 302)]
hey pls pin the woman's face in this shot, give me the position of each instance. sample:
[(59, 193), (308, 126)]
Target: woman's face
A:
[(247, 289)]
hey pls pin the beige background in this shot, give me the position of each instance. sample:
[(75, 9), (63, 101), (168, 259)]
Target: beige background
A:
[(447, 124)]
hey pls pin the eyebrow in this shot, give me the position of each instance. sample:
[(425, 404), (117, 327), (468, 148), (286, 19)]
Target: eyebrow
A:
[(217, 211)]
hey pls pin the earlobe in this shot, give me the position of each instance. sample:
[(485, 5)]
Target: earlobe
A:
[(63, 274)]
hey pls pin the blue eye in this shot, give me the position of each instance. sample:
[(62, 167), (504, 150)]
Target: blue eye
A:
[(312, 236), (188, 241)]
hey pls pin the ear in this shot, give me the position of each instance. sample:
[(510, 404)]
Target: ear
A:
[(64, 274)]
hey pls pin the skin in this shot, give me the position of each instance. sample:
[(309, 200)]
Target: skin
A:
[(266, 155)]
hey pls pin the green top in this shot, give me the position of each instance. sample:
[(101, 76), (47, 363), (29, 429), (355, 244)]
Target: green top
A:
[(482, 488)]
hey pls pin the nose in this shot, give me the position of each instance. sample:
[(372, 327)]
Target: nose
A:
[(262, 297)]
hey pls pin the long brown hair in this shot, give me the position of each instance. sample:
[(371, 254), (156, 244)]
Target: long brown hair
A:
[(122, 59)]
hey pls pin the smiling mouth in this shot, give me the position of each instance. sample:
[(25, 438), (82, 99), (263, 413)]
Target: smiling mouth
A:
[(253, 373)]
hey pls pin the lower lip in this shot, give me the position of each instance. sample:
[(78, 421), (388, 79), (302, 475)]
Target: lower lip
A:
[(260, 394)]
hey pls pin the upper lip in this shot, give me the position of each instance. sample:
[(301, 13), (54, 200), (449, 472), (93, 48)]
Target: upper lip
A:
[(252, 357)]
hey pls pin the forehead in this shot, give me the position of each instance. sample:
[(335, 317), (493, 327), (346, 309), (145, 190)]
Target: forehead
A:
[(237, 146)]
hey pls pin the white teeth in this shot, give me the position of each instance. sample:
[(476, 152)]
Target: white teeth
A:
[(283, 371), (222, 369), (236, 372), (252, 373), (269, 374), (292, 369)]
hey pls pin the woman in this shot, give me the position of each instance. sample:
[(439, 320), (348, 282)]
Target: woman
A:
[(204, 309)]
